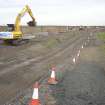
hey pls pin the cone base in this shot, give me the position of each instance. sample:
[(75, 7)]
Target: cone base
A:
[(52, 81), (34, 102)]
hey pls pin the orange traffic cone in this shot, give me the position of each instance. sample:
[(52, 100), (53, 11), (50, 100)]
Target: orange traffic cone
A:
[(35, 96), (52, 79)]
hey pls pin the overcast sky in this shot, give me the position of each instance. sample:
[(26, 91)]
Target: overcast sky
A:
[(55, 12)]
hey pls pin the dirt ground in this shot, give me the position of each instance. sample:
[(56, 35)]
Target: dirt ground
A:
[(79, 84), (20, 66), (85, 84)]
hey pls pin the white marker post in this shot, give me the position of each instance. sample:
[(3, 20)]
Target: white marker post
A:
[(78, 53), (82, 46), (74, 60)]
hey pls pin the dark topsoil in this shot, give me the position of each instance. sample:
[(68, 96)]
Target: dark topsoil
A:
[(85, 84)]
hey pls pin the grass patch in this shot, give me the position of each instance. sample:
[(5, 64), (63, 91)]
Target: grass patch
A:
[(103, 47), (51, 43), (101, 36)]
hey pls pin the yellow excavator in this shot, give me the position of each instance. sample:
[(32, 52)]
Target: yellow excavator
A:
[(14, 34)]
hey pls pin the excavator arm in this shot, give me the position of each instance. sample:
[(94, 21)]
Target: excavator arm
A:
[(20, 15)]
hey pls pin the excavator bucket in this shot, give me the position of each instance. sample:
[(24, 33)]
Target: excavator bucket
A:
[(31, 23)]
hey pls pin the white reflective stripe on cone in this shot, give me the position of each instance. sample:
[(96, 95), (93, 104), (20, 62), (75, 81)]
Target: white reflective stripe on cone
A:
[(53, 74), (35, 94)]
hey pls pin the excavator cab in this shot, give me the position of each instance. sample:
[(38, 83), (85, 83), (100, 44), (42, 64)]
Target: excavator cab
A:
[(11, 27)]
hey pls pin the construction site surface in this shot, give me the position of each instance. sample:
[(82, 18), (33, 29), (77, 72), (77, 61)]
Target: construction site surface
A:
[(67, 63)]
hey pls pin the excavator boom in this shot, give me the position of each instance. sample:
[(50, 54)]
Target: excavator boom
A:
[(21, 14)]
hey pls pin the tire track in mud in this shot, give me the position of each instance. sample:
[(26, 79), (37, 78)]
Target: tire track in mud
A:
[(60, 68), (40, 62), (14, 66)]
